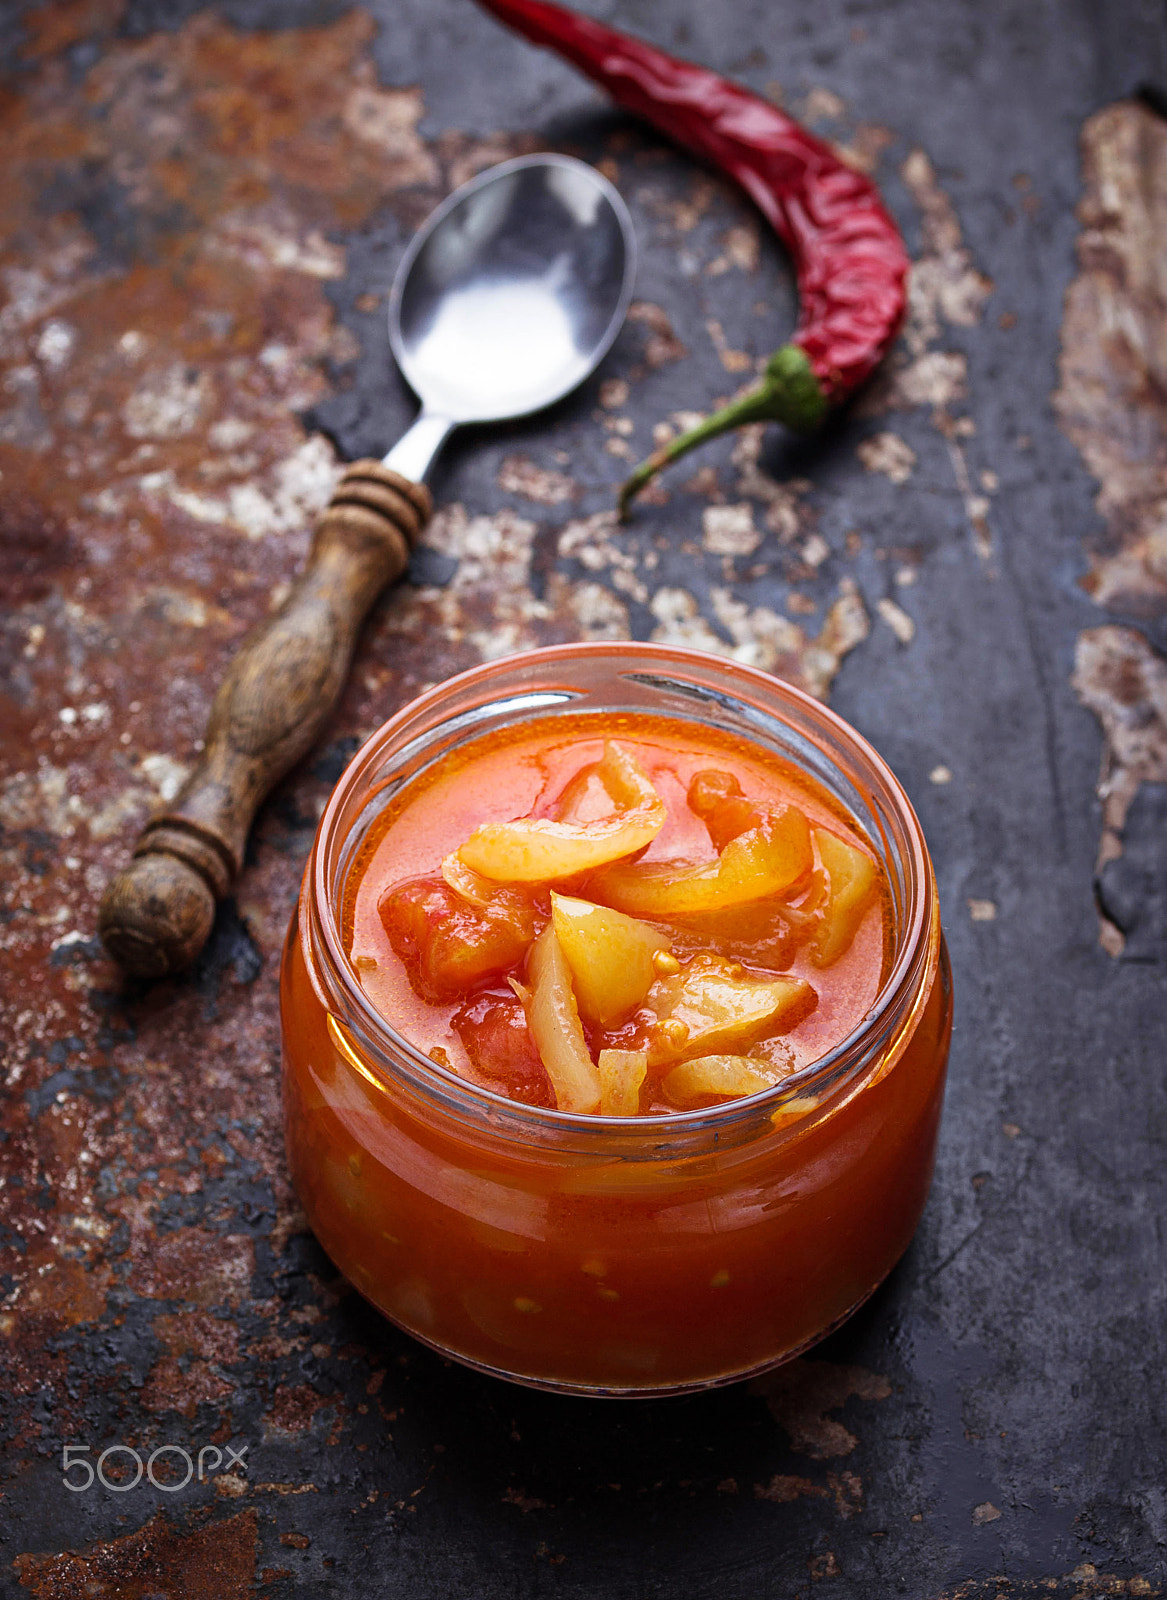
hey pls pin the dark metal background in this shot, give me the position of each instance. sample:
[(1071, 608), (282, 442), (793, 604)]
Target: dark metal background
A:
[(202, 207)]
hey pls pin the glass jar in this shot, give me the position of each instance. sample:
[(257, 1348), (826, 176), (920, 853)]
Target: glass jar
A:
[(616, 1256)]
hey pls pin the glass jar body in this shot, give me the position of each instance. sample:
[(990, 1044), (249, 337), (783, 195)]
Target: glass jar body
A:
[(678, 1254)]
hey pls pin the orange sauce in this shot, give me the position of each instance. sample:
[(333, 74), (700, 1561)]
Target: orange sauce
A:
[(525, 774)]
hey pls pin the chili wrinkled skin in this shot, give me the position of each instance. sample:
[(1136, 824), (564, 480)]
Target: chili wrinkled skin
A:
[(850, 261)]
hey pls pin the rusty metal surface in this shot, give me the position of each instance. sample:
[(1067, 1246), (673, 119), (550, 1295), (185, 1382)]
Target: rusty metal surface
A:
[(201, 207)]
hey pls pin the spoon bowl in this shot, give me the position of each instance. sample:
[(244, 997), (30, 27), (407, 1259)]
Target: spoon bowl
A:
[(508, 297)]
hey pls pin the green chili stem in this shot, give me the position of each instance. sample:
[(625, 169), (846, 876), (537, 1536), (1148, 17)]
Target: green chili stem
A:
[(789, 393)]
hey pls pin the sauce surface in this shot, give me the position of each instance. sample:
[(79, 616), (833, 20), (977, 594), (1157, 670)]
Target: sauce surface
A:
[(559, 767)]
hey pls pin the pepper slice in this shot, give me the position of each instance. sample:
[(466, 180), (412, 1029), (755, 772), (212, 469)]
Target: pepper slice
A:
[(713, 1006), (540, 850), (720, 1077), (610, 957), (851, 883), (770, 859), (553, 1018), (621, 1074)]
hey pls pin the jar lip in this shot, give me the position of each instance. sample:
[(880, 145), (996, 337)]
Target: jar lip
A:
[(460, 1094)]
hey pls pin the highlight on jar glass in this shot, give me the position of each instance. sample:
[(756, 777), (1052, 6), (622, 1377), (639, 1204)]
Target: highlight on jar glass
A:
[(615, 1020)]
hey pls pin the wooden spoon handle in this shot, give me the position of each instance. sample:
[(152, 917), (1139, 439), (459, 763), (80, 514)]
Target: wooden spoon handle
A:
[(280, 689)]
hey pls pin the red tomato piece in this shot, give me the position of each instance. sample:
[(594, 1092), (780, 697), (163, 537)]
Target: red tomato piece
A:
[(717, 798), (449, 947), (493, 1028)]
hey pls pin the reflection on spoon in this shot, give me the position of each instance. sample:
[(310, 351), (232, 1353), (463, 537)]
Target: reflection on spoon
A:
[(499, 342)]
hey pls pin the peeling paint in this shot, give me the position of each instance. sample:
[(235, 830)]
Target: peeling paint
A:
[(945, 286), (488, 605), (732, 360), (662, 344), (730, 530), (1113, 366), (897, 620), (519, 475), (889, 454), (945, 290), (1112, 374), (760, 637), (740, 250), (1123, 680)]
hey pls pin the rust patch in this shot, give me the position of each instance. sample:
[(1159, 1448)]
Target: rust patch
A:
[(162, 1559), (193, 1333), (174, 1386), (204, 1269), (36, 549), (170, 218), (784, 1487), (186, 1376), (825, 1565), (62, 23), (845, 1489), (57, 1291), (294, 1407), (801, 1395), (1085, 1582)]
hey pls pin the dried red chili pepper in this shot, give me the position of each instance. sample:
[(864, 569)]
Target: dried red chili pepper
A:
[(849, 258)]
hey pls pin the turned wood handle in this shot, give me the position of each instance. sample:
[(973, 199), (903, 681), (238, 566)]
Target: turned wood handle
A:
[(279, 691)]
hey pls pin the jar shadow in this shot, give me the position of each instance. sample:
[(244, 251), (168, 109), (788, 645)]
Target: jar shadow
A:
[(590, 1478)]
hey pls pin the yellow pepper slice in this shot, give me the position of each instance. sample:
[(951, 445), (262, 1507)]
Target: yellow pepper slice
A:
[(539, 850), (474, 889), (610, 957), (852, 881), (621, 1074), (553, 1019), (718, 1077), (713, 1007), (770, 859)]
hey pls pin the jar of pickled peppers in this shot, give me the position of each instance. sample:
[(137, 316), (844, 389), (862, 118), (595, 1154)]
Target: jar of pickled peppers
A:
[(752, 985)]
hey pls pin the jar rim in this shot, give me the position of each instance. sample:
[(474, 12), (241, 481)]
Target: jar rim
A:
[(915, 948)]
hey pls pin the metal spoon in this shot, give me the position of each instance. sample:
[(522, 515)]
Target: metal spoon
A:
[(510, 295), (508, 298)]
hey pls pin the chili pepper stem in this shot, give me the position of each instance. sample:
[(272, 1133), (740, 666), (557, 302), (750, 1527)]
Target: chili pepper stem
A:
[(789, 393)]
